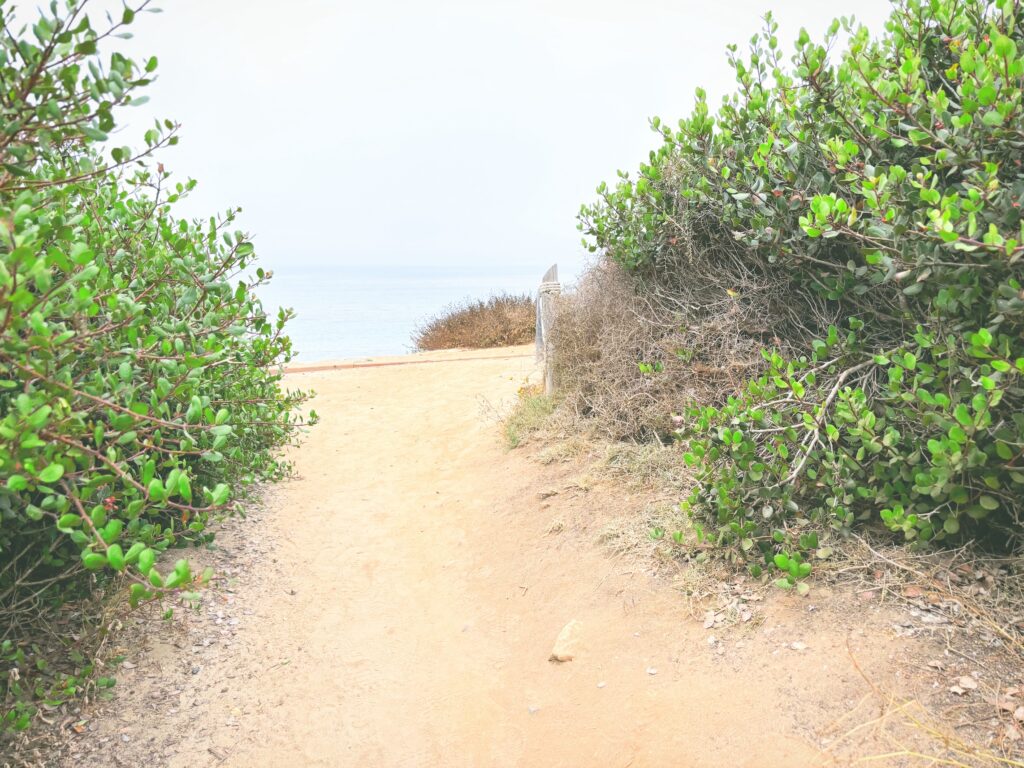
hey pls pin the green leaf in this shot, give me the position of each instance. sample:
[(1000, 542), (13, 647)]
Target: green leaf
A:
[(156, 490), (992, 118), (132, 555), (115, 557), (146, 560), (112, 530), (988, 502), (93, 560), (69, 520), (52, 473), (185, 488), (220, 494), (137, 592), (93, 133), (963, 415), (128, 437)]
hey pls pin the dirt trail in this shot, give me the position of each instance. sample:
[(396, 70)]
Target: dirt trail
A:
[(416, 589)]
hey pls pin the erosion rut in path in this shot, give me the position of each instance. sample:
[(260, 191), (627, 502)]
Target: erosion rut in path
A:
[(417, 584)]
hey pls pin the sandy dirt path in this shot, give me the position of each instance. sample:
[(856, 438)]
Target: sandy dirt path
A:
[(416, 585)]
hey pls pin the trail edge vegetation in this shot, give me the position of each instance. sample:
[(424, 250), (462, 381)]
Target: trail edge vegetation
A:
[(140, 377)]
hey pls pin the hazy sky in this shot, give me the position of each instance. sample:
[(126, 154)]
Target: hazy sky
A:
[(443, 133)]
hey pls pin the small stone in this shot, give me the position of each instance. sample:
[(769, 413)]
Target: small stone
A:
[(567, 643), (968, 683), (652, 671), (533, 709), (602, 684), (798, 646)]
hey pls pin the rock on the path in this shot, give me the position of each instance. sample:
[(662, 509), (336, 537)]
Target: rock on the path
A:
[(567, 643)]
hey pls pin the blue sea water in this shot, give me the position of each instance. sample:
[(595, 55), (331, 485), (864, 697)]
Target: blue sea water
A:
[(345, 313)]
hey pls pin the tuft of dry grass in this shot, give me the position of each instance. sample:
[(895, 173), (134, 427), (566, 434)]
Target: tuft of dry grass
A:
[(503, 320), (531, 411)]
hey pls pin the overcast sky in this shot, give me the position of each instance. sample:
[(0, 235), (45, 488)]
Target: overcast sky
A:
[(458, 134)]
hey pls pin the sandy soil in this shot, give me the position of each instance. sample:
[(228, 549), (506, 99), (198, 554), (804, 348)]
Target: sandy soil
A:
[(396, 603)]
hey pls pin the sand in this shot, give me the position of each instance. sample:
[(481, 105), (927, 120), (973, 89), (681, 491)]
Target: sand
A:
[(412, 590)]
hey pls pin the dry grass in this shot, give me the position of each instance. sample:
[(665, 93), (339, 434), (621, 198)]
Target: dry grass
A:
[(500, 321), (916, 735), (528, 417), (628, 357)]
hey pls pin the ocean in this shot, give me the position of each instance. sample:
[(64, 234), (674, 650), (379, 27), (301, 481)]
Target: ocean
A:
[(343, 313)]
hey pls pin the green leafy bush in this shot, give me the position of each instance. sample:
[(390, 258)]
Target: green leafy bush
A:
[(139, 375), (865, 208)]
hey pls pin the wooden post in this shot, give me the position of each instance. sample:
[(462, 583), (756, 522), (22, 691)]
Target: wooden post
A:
[(546, 293)]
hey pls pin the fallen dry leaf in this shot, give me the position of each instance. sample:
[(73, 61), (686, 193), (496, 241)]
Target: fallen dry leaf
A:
[(1005, 704), (968, 683)]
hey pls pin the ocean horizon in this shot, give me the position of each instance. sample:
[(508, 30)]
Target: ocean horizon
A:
[(346, 313)]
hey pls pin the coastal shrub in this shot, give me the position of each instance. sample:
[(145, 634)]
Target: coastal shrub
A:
[(625, 361), (140, 377), (863, 210), (500, 321)]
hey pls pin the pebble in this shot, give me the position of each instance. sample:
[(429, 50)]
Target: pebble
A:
[(566, 645), (652, 671), (602, 684)]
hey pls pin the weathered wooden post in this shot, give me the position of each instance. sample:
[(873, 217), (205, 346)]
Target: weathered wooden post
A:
[(546, 293)]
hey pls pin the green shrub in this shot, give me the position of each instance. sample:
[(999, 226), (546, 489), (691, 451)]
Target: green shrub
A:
[(139, 375), (869, 206)]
